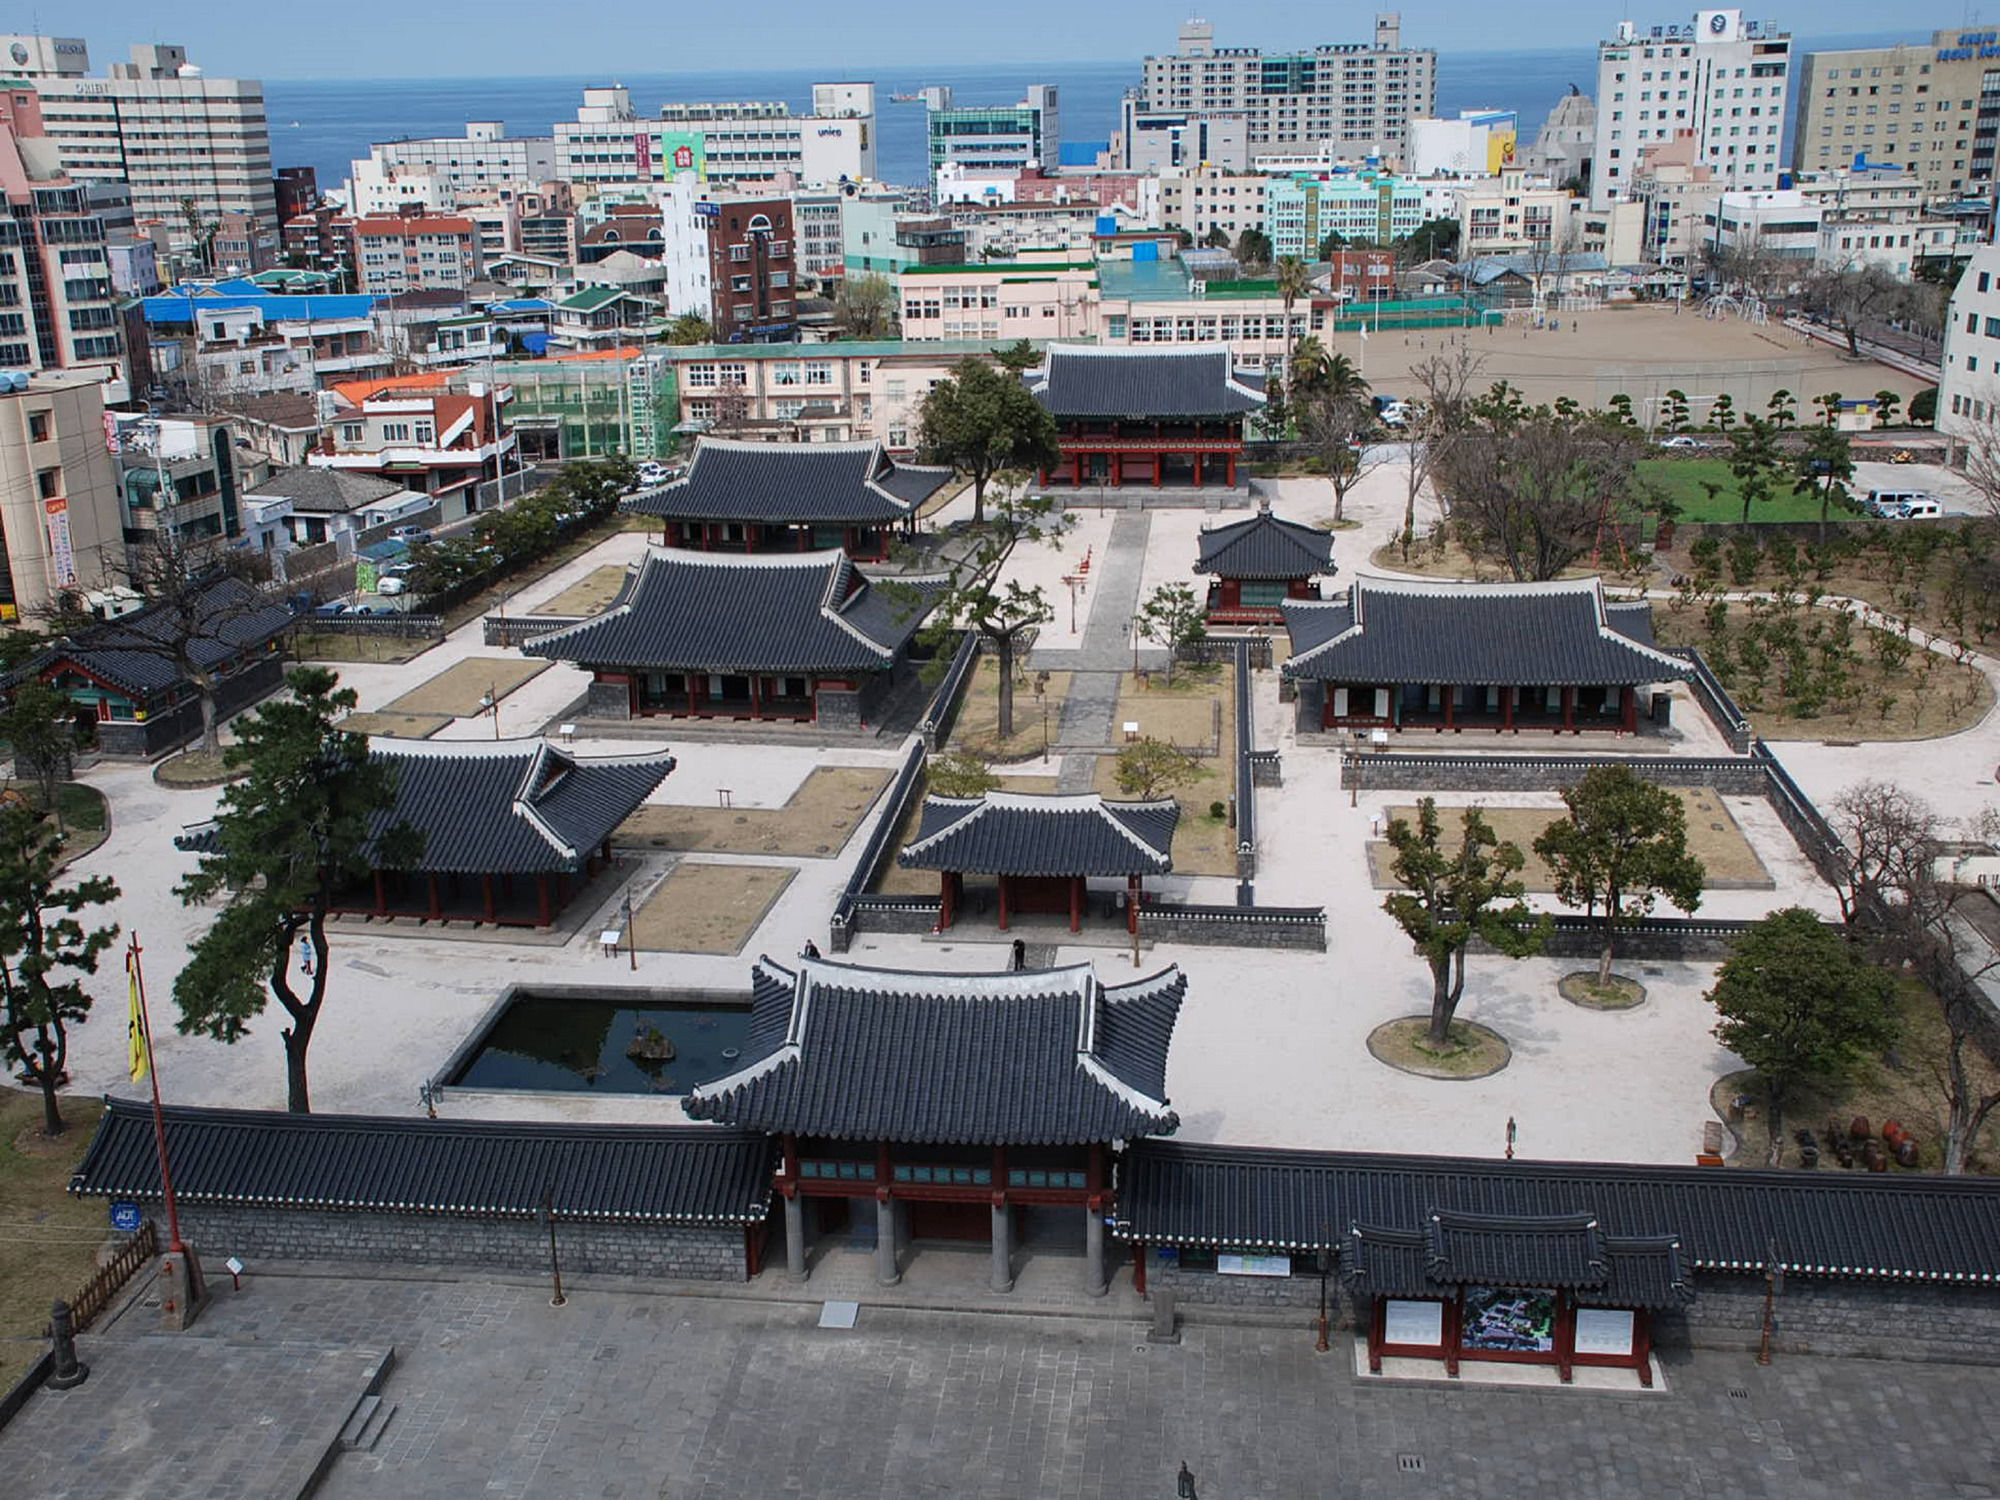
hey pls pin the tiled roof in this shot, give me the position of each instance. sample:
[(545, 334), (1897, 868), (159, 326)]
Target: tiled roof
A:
[(1568, 1251), (792, 482), (332, 492), (514, 808), (132, 654), (1016, 833), (1894, 1226), (726, 612), (1507, 1250), (1265, 547), (662, 1174), (1523, 634), (1081, 380), (1048, 1057)]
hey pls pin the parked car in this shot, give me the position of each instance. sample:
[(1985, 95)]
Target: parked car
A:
[(395, 578), (653, 473), (1894, 504), (1920, 510), (1682, 443), (332, 607), (1394, 414), (409, 535)]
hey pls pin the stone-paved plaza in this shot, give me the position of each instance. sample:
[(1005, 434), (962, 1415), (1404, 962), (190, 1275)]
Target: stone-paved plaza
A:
[(628, 1393)]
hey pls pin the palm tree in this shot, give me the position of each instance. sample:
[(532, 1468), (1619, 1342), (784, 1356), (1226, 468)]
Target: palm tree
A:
[(1294, 279), (1308, 367), (1343, 380)]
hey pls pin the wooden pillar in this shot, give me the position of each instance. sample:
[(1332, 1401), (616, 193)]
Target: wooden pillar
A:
[(945, 906), (756, 697), (1132, 904), (1139, 1267), (1565, 1335), (1076, 903), (381, 900), (542, 899), (1378, 1328), (1078, 465), (1117, 461), (1232, 470), (1630, 715), (1197, 470), (1507, 708), (1159, 467), (1003, 903), (437, 910), (1042, 477), (486, 897), (1453, 1318), (1569, 709), (1450, 695), (1642, 1344)]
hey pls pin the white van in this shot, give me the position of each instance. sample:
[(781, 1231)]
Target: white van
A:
[(1920, 509), (1891, 504)]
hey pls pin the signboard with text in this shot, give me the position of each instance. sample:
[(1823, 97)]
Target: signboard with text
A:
[(62, 557)]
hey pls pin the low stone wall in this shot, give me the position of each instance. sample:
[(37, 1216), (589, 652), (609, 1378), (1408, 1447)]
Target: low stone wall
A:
[(1295, 928), (1722, 710), (1659, 939), (1375, 772), (700, 1254), (1250, 1293)]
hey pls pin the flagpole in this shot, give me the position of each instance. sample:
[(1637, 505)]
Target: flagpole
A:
[(159, 1116)]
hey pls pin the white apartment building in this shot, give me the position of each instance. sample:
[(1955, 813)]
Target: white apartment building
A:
[(738, 142), (1479, 143), (1847, 244), (1167, 140), (1210, 198), (1969, 388), (485, 156), (1358, 98), (1720, 77), (1783, 223), (1511, 215), (378, 188), (157, 124), (405, 253), (1005, 301)]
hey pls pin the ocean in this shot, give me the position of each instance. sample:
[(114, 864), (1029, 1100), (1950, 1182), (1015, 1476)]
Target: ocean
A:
[(327, 123)]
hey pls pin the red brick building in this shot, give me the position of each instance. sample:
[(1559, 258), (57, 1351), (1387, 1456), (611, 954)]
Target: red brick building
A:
[(751, 270)]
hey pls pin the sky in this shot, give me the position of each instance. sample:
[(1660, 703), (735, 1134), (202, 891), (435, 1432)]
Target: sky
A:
[(502, 38)]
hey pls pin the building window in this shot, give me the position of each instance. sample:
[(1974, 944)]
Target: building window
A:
[(395, 432), (350, 432), (39, 429), (48, 483)]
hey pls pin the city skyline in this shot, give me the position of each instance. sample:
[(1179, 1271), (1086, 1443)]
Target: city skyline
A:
[(439, 44)]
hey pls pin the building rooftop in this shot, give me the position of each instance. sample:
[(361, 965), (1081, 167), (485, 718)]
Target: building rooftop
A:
[(792, 482), (326, 492), (1265, 547), (1079, 380), (1014, 833)]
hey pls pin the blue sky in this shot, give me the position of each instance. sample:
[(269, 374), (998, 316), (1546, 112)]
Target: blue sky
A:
[(398, 38)]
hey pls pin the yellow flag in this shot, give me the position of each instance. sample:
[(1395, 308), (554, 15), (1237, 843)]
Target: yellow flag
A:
[(136, 1050)]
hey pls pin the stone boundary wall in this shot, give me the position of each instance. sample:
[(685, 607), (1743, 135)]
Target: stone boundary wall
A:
[(1375, 772), (1301, 928), (943, 710), (1715, 700), (1922, 1321), (363, 1236)]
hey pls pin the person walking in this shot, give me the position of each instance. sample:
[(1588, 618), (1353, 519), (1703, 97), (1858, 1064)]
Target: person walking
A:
[(306, 956)]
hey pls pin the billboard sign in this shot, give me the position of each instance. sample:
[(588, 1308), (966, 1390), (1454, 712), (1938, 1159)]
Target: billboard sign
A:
[(62, 556), (684, 154)]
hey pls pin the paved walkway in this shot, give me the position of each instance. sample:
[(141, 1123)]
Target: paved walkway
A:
[(626, 1394), (1098, 665)]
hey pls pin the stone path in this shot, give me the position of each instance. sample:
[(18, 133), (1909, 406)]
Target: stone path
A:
[(627, 1394), (1098, 665)]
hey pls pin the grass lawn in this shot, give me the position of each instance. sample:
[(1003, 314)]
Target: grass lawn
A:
[(396, 726), (976, 729), (1902, 1087), (50, 1245), (1183, 713), (86, 816), (817, 820), (1681, 480), (306, 645), (1713, 837), (458, 689), (589, 595), (1883, 705), (708, 908)]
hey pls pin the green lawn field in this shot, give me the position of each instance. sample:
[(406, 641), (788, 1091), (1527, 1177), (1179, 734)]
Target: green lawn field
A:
[(1681, 480)]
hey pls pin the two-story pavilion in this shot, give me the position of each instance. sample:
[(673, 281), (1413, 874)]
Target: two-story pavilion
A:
[(791, 497), (1397, 654), (963, 1105), (1146, 416)]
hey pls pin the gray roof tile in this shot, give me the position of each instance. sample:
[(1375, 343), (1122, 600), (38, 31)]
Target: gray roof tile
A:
[(1050, 1057), (1526, 634), (1265, 547), (271, 1159), (226, 620), (785, 483), (1082, 380), (321, 491), (1014, 833), (727, 612), (1566, 1250)]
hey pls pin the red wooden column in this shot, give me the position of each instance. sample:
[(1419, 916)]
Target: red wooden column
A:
[(1565, 1335), (756, 697), (1117, 461), (1232, 471), (1197, 470), (1132, 904), (1507, 708), (946, 907), (1139, 1267), (1450, 696), (1453, 1321), (542, 900), (1642, 1344), (1076, 903), (1378, 1330), (1630, 716), (381, 900), (1159, 467), (1003, 903), (437, 911), (486, 897), (1077, 480), (1569, 709)]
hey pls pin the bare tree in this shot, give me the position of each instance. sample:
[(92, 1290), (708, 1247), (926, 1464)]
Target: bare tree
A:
[(1441, 416), (1889, 838), (1854, 297)]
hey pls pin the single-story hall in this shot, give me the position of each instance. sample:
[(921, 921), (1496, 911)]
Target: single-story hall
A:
[(1260, 563), (1155, 417), (511, 832), (791, 497), (1395, 654), (801, 637)]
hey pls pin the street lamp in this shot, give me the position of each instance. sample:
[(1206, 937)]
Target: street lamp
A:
[(1325, 1265)]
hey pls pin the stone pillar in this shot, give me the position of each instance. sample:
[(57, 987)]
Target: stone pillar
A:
[(885, 1241), (1003, 1249), (795, 1238), (1095, 1281)]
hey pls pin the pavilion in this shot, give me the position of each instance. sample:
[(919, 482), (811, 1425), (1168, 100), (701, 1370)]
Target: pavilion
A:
[(1260, 563), (964, 1105), (802, 637), (1399, 654), (1042, 850), (511, 832), (1145, 416), (791, 497)]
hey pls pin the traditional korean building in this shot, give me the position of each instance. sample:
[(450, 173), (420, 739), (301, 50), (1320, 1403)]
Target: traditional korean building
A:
[(132, 698), (802, 637), (1042, 851), (1393, 654), (1258, 564), (1154, 417), (791, 497), (964, 1105), (511, 832)]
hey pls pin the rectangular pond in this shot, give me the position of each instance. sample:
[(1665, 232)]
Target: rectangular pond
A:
[(603, 1041)]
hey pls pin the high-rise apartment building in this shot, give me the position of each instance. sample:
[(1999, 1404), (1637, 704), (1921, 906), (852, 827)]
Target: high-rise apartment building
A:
[(1933, 109), (1009, 137), (485, 156), (741, 142), (1353, 99), (157, 124), (752, 268), (416, 252), (1719, 79)]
